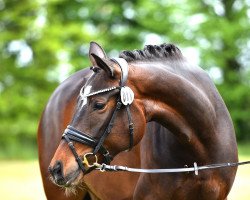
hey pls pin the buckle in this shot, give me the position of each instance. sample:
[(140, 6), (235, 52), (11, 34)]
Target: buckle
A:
[(107, 157), (88, 163)]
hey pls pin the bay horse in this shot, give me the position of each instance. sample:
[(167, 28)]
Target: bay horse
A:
[(154, 84)]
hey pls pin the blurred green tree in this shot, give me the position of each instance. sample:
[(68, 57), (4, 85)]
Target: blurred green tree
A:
[(43, 41)]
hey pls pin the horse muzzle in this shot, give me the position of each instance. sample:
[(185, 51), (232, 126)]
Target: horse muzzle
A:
[(56, 173), (58, 177)]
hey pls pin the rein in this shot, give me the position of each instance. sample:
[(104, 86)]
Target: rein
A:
[(195, 168)]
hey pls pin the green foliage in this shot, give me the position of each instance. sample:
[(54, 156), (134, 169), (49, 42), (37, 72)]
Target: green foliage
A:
[(42, 42), (244, 150)]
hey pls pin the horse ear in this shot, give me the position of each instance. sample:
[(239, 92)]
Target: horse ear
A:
[(104, 64), (97, 50)]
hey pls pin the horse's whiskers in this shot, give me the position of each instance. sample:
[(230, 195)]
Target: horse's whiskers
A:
[(70, 190), (82, 187), (52, 179)]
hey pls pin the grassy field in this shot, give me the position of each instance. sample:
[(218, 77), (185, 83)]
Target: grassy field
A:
[(241, 187), (21, 179)]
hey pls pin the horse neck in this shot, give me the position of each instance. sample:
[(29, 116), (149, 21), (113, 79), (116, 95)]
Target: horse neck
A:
[(177, 101)]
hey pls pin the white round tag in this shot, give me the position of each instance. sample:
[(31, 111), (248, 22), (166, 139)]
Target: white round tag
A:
[(127, 95)]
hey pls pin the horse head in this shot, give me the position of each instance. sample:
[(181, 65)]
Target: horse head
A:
[(109, 118)]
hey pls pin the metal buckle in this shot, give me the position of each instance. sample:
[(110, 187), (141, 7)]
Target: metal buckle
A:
[(87, 163)]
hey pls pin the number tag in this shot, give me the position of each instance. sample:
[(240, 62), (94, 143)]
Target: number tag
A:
[(127, 95)]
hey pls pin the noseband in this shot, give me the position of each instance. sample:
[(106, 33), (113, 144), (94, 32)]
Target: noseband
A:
[(125, 98)]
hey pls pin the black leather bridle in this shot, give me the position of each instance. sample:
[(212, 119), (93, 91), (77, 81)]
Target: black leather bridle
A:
[(72, 134)]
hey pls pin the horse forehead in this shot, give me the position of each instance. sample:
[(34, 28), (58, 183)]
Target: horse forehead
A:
[(96, 79)]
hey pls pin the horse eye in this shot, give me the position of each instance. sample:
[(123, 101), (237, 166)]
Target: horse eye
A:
[(99, 106)]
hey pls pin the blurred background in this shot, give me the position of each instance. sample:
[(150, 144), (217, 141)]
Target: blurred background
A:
[(42, 42)]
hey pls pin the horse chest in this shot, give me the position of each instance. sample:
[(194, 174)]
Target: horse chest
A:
[(178, 187)]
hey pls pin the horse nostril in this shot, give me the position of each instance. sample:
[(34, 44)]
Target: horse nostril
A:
[(57, 173)]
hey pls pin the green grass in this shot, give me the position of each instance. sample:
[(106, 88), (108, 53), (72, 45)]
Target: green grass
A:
[(241, 189), (244, 149), (21, 179)]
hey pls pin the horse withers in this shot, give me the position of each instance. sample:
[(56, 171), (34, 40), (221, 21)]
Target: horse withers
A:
[(121, 96)]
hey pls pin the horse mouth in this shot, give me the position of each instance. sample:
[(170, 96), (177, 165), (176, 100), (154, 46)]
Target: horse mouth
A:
[(73, 178)]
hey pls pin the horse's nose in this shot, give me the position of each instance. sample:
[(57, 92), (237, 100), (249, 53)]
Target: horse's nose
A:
[(57, 173)]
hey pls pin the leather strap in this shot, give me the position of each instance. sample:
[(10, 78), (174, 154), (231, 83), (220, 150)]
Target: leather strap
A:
[(108, 129), (78, 136), (73, 150), (131, 128), (73, 134), (122, 63)]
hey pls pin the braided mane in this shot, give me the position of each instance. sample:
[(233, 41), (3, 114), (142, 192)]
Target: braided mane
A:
[(152, 52)]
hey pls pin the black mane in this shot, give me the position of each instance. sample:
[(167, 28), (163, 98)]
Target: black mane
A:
[(152, 52)]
